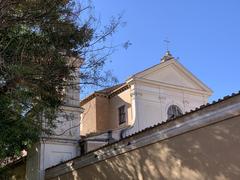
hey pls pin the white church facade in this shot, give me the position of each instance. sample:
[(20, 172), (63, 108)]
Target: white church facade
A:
[(148, 98), (163, 91)]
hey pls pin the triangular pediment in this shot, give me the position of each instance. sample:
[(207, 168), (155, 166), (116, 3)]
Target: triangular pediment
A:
[(174, 74)]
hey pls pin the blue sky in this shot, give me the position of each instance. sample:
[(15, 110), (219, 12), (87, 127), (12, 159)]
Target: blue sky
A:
[(205, 35)]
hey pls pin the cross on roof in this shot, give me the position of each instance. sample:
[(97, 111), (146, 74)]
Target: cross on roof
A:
[(167, 42)]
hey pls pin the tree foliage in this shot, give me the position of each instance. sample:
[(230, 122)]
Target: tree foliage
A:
[(40, 40)]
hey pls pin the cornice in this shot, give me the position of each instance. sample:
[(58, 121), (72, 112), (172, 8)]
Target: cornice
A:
[(166, 85)]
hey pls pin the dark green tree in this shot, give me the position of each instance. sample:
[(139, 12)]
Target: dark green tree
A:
[(38, 41)]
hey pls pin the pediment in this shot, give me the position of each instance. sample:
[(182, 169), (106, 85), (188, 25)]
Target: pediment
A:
[(174, 74)]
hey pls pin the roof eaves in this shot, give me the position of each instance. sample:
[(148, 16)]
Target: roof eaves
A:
[(91, 96), (116, 91), (119, 90)]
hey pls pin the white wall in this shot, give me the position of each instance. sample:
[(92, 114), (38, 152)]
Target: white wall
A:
[(151, 103), (48, 153)]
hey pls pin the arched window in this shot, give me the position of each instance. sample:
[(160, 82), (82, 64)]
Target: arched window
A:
[(174, 111)]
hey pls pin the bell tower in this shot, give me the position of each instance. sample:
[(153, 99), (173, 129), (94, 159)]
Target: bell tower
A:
[(63, 144)]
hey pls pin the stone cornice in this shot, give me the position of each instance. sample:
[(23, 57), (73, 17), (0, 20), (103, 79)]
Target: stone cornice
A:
[(166, 85), (58, 140), (72, 108)]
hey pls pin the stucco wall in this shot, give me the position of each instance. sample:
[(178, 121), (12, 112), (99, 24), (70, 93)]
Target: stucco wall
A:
[(101, 113), (88, 118), (121, 99), (210, 152), (152, 103)]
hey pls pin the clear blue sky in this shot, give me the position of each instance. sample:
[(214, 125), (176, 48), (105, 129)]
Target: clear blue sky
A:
[(205, 35)]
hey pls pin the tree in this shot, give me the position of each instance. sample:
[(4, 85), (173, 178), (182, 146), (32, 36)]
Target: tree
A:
[(38, 41)]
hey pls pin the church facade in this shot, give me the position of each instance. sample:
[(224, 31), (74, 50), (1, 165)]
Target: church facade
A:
[(147, 98)]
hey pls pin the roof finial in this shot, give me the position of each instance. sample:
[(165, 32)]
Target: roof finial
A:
[(168, 56)]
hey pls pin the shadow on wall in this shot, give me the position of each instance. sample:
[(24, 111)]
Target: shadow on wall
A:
[(210, 152)]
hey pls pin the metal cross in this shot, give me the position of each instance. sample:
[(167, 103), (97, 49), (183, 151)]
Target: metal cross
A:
[(167, 42)]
